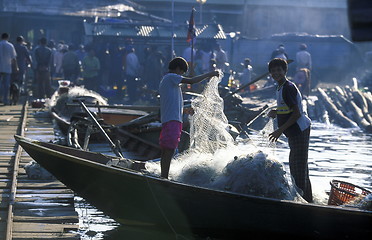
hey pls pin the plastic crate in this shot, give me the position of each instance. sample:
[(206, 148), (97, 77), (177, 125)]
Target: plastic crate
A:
[(344, 192)]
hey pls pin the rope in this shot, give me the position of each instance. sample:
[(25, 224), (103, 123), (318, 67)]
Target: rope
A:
[(177, 236)]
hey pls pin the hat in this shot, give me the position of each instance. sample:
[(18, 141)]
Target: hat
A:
[(20, 39)]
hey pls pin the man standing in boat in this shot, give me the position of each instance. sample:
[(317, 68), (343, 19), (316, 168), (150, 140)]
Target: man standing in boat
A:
[(171, 108), (294, 123)]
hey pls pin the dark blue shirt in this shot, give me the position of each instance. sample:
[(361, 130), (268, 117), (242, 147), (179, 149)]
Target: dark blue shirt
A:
[(22, 55), (289, 95)]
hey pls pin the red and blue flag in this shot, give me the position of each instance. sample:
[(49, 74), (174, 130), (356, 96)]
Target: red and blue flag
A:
[(191, 29)]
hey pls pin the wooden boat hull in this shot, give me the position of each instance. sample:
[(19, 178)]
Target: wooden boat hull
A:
[(109, 118), (133, 198), (113, 118)]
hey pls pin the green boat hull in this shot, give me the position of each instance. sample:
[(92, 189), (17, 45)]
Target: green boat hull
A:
[(134, 198)]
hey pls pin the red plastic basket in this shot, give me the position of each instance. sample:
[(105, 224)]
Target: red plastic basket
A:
[(343, 192)]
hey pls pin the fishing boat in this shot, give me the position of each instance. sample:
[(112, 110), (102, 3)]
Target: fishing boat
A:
[(66, 111), (122, 189), (75, 122)]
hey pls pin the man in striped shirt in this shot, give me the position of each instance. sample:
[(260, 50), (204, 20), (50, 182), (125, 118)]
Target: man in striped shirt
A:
[(294, 123)]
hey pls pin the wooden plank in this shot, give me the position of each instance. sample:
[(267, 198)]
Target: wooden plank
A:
[(8, 132), (29, 205), (48, 212), (39, 184), (4, 176), (45, 191), (5, 118), (43, 227), (43, 235), (44, 197), (45, 219), (42, 207), (5, 184), (7, 159), (4, 170), (7, 154)]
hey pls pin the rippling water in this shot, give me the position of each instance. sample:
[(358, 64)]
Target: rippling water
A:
[(334, 153)]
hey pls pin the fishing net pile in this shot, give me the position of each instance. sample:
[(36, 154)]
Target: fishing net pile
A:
[(215, 161), (58, 102)]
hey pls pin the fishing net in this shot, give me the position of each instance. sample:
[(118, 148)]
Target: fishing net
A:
[(208, 128), (58, 102), (261, 138), (215, 161)]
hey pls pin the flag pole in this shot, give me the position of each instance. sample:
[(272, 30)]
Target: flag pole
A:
[(172, 39), (190, 37), (192, 58)]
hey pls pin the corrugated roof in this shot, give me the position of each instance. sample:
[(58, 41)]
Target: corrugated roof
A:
[(207, 31), (82, 8)]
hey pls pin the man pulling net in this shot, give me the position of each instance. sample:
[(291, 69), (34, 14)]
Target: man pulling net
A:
[(215, 161)]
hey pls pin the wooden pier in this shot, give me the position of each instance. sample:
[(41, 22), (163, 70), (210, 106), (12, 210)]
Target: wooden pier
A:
[(31, 208)]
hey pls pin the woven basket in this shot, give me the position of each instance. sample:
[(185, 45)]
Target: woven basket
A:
[(343, 192)]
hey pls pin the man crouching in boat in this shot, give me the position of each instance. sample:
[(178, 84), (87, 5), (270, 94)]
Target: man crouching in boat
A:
[(171, 108), (294, 123)]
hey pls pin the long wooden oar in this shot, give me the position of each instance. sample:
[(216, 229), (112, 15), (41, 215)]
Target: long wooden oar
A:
[(251, 82), (113, 146)]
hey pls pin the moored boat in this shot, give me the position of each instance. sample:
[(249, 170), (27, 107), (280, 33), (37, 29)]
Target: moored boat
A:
[(65, 109), (132, 197)]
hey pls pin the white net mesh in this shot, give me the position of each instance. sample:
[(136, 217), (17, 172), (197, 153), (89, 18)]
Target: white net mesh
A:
[(215, 161), (208, 129), (261, 139)]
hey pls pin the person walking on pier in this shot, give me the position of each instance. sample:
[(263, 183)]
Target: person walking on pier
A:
[(294, 123), (132, 69), (71, 65), (43, 57), (7, 59), (91, 66), (171, 108), (23, 59)]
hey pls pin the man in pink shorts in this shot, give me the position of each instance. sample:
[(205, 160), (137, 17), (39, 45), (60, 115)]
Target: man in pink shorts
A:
[(171, 108)]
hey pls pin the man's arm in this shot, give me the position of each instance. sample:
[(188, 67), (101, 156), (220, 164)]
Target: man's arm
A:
[(15, 64), (291, 120), (14, 58), (199, 78), (27, 54)]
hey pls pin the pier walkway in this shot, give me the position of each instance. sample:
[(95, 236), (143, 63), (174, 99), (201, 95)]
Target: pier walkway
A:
[(31, 208)]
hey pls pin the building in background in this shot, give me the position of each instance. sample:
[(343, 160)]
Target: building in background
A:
[(263, 18), (63, 19), (228, 13)]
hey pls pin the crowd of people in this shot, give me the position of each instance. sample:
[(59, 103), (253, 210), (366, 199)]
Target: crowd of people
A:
[(103, 66), (122, 67), (303, 66)]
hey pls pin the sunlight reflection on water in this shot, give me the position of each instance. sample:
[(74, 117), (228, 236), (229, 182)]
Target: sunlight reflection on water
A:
[(336, 153)]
